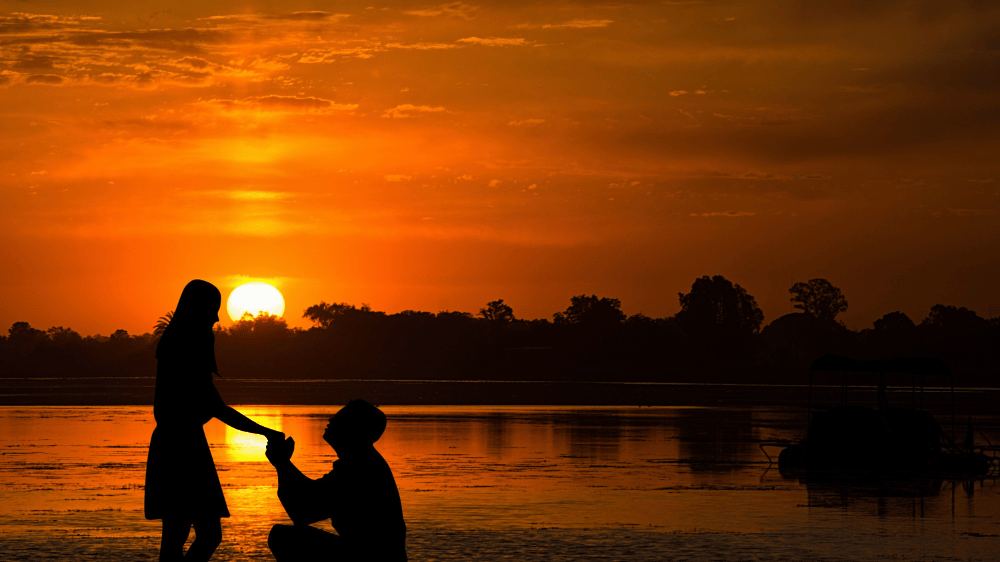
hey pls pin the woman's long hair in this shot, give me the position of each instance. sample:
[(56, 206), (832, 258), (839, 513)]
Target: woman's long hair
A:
[(189, 338)]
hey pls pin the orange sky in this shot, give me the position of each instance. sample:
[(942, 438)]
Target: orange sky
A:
[(439, 156)]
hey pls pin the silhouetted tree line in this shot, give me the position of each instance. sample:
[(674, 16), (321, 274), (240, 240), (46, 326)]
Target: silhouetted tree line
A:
[(716, 336)]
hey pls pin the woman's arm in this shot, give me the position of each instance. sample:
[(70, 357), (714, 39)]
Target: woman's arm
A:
[(236, 420), (232, 418)]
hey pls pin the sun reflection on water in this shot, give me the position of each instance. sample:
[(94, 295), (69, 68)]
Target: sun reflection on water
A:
[(248, 447)]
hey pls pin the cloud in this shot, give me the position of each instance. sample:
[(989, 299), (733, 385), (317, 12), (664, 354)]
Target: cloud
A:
[(579, 24), (19, 22), (193, 62), (526, 122), (309, 15), (243, 195), (676, 93), (282, 104), (200, 68), (495, 41), (421, 46), (494, 183), (451, 10), (397, 177), (32, 62), (49, 79), (363, 51), (725, 214), (404, 111)]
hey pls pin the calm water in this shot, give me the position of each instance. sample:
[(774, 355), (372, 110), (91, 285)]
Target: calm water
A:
[(498, 483)]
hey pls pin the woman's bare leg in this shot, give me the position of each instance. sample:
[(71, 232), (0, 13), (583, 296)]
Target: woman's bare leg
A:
[(207, 536), (175, 534)]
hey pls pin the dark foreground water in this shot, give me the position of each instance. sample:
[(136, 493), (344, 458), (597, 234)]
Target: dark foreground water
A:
[(500, 483)]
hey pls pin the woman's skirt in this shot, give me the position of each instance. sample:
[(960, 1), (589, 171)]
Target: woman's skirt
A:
[(181, 480)]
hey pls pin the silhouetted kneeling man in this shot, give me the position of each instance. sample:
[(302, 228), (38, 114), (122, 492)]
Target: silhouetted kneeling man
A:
[(359, 496)]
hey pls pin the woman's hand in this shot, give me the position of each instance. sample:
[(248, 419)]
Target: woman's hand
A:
[(273, 436)]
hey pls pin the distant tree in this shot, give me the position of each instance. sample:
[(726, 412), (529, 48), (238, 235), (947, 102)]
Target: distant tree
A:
[(591, 311), (63, 337), (497, 312), (953, 319), (719, 312), (24, 339), (818, 298), (264, 326), (454, 314), (640, 320), (893, 334), (894, 322), (162, 323), (325, 315)]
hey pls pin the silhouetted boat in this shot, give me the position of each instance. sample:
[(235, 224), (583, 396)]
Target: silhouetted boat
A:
[(850, 439)]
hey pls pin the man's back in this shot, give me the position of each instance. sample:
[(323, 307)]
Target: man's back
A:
[(364, 504)]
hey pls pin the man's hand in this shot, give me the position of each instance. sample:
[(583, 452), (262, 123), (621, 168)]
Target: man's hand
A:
[(279, 452)]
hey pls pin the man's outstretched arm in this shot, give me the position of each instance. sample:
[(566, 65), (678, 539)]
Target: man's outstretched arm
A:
[(301, 496)]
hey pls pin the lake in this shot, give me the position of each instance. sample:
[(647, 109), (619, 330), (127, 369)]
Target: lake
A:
[(499, 483)]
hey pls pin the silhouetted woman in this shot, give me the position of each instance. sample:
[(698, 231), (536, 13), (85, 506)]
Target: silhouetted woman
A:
[(182, 486)]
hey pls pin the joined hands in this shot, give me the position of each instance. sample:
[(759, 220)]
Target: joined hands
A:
[(279, 450)]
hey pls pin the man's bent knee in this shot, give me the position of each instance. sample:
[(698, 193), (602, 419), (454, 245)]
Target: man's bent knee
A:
[(292, 543), (280, 539)]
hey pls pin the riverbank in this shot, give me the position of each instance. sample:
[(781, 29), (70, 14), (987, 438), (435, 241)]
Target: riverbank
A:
[(94, 391)]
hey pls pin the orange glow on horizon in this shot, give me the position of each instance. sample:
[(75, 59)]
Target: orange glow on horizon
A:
[(455, 154)]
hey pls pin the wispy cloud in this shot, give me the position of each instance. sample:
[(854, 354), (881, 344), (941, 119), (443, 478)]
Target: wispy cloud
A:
[(725, 214), (303, 16), (452, 10), (20, 22), (406, 110), (572, 24), (421, 46), (243, 195), (495, 41), (526, 122), (48, 79), (282, 104)]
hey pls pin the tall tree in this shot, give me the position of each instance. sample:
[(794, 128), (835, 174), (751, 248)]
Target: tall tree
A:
[(497, 312), (818, 298), (894, 322), (719, 312), (325, 314), (591, 311)]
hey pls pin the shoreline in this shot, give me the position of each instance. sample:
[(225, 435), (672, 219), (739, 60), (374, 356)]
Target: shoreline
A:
[(138, 391)]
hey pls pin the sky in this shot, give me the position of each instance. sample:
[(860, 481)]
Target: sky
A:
[(434, 157)]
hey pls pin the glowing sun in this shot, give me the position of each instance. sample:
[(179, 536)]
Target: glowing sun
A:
[(255, 297)]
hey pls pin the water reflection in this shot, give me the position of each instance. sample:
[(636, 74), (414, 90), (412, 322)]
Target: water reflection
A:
[(500, 473), (716, 440), (239, 446)]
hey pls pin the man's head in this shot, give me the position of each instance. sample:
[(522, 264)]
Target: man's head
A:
[(357, 425)]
